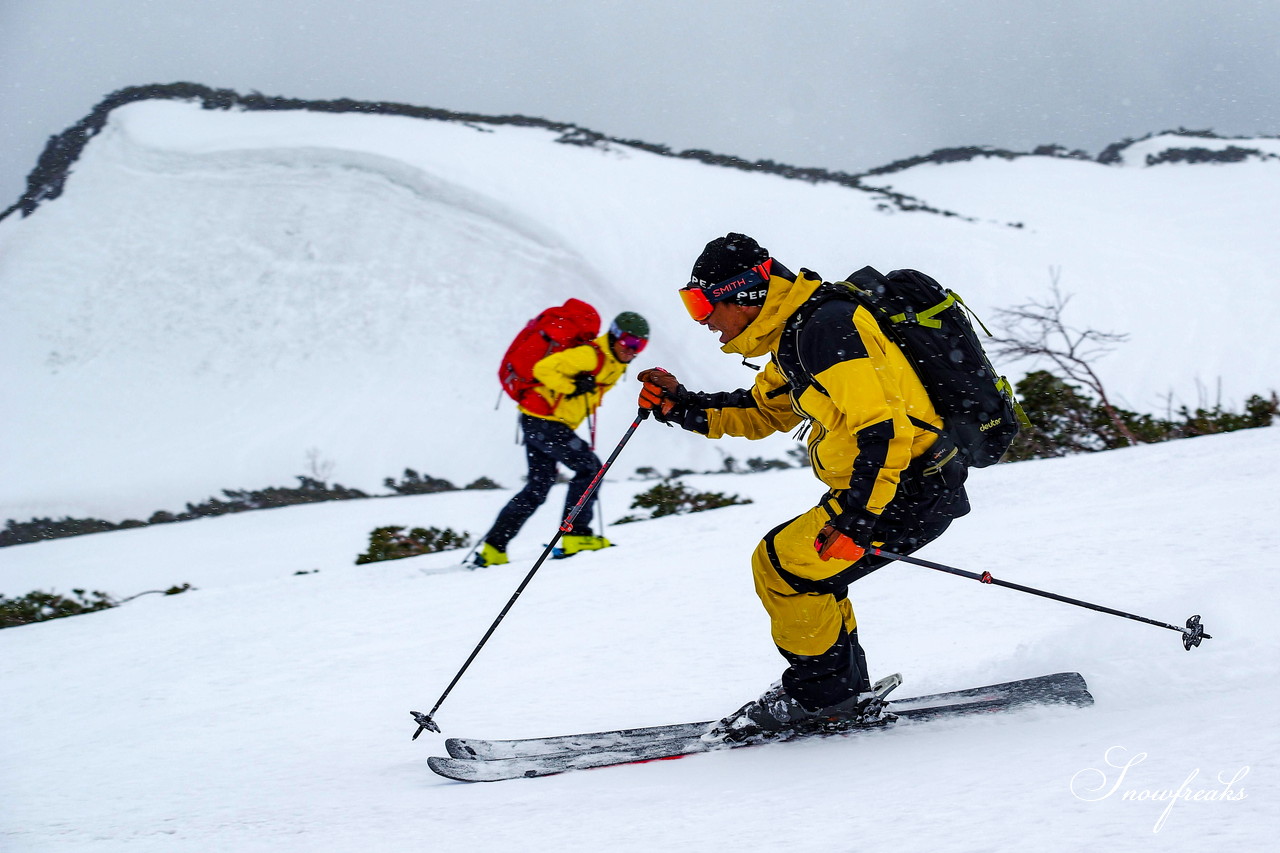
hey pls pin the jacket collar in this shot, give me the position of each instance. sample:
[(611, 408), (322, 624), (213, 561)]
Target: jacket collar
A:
[(786, 294)]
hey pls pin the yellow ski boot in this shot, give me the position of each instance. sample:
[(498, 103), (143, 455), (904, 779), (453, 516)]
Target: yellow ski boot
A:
[(570, 545), (490, 556)]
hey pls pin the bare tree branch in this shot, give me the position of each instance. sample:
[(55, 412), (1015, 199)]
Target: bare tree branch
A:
[(1037, 330)]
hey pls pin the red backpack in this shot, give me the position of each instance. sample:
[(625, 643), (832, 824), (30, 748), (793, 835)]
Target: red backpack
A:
[(569, 325)]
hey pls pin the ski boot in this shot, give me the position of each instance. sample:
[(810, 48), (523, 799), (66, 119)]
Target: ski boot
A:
[(777, 716), (572, 543), (489, 556)]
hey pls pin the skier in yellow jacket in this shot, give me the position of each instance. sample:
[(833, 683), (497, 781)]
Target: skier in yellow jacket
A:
[(872, 435), (573, 382)]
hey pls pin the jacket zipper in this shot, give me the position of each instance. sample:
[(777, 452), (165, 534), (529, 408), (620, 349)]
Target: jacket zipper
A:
[(815, 430)]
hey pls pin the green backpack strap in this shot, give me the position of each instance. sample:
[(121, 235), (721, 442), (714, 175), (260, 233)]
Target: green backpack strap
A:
[(1007, 389), (928, 317)]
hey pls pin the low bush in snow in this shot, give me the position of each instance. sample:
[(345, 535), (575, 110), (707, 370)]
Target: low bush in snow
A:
[(755, 465), (308, 490), (39, 606), (393, 543), (672, 497), (20, 532), (1066, 419), (414, 483)]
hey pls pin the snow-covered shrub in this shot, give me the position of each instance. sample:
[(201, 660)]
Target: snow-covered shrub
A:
[(393, 543), (675, 498), (414, 483), (40, 606), (1066, 419)]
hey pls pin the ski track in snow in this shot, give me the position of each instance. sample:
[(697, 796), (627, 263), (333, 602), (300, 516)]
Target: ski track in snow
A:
[(268, 711)]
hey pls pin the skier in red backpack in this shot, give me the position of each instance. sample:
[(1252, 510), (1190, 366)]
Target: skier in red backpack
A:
[(571, 385)]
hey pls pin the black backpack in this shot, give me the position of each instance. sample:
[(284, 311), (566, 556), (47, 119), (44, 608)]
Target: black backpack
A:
[(927, 321)]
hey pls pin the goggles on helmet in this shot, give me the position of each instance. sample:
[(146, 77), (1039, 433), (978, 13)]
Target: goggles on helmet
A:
[(635, 343), (630, 340), (700, 299)]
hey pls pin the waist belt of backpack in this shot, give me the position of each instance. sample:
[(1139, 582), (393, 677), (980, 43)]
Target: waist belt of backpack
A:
[(939, 454)]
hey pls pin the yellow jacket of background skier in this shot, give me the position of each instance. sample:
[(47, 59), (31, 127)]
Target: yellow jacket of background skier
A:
[(556, 373)]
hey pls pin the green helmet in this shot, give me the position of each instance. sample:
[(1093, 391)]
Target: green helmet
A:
[(630, 323)]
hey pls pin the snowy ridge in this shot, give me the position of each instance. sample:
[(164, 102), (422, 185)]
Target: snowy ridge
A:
[(1182, 147), (47, 180), (219, 295)]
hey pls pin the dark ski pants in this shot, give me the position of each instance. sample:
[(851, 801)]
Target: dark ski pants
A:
[(807, 600), (546, 443)]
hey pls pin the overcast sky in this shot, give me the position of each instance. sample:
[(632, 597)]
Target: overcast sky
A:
[(841, 85)]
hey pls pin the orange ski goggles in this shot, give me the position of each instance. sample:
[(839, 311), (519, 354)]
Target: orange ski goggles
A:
[(700, 300)]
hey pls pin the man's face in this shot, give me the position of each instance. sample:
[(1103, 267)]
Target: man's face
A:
[(730, 320), (623, 354)]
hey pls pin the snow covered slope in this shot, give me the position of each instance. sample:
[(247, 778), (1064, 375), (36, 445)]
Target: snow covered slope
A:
[(267, 710), (220, 295), (228, 299)]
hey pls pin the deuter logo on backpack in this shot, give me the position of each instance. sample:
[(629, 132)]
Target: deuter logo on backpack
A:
[(569, 325), (928, 322)]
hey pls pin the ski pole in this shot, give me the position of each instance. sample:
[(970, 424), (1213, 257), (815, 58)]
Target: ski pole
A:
[(426, 721), (466, 561), (1191, 635)]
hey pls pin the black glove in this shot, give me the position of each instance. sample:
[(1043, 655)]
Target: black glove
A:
[(681, 410), (583, 383), (858, 524)]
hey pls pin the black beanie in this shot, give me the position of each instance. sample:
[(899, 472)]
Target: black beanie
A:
[(727, 256)]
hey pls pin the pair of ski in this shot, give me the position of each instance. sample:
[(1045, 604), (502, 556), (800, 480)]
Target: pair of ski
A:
[(475, 760)]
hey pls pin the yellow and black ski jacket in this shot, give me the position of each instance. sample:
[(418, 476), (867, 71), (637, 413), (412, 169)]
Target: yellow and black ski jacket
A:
[(556, 373), (868, 416)]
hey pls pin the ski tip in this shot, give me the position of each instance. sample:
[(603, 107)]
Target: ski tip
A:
[(462, 748), (451, 768), (462, 770)]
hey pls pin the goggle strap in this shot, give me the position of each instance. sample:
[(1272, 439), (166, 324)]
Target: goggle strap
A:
[(699, 299)]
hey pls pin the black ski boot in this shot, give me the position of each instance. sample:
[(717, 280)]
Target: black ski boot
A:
[(776, 715)]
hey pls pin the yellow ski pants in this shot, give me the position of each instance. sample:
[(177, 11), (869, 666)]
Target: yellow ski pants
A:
[(806, 609)]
